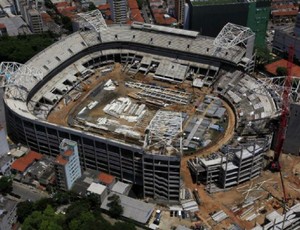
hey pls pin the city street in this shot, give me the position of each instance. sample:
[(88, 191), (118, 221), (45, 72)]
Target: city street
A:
[(27, 192)]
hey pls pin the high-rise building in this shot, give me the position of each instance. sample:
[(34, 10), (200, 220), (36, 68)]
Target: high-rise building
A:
[(31, 14), (285, 37), (179, 11), (35, 21), (209, 17), (118, 10), (291, 143), (67, 165)]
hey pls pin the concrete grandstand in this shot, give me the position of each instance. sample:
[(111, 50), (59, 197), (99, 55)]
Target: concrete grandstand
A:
[(138, 100)]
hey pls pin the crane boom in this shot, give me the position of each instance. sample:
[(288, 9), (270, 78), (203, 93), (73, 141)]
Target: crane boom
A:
[(284, 113)]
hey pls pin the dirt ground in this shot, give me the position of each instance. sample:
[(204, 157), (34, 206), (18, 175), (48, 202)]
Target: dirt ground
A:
[(266, 187), (270, 192)]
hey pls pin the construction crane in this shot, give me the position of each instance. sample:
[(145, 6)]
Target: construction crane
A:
[(275, 165)]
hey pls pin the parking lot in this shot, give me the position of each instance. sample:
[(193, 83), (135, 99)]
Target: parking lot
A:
[(169, 220)]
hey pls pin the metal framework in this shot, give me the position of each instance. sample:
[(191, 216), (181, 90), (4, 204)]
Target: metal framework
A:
[(275, 87), (18, 78), (232, 35), (95, 19), (164, 128)]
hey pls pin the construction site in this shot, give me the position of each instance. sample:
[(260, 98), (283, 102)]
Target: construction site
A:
[(180, 116)]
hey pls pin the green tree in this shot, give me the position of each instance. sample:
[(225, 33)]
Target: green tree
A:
[(67, 23), (92, 6), (281, 71), (140, 3), (23, 47), (24, 209), (46, 220), (115, 207), (86, 219), (6, 185), (262, 57), (75, 209), (124, 226), (42, 204)]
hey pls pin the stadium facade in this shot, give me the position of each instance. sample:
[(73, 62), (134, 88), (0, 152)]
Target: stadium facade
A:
[(27, 107)]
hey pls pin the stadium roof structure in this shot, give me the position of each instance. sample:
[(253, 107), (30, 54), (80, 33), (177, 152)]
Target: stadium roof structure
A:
[(95, 19), (232, 35)]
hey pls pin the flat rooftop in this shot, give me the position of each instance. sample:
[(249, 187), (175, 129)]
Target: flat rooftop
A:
[(213, 2)]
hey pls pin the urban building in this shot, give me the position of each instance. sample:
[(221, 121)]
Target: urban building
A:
[(137, 135), (35, 21), (179, 11), (285, 37), (4, 149), (133, 209), (8, 213), (284, 11), (291, 144), (99, 190), (30, 11), (3, 30), (5, 164), (67, 165), (209, 17), (230, 167), (21, 165), (118, 11)]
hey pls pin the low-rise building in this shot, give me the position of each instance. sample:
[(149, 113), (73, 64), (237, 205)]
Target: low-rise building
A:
[(23, 163), (8, 213), (99, 190), (5, 164), (3, 30), (133, 209)]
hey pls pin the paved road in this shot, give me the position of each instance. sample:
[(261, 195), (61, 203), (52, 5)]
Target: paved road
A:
[(27, 192)]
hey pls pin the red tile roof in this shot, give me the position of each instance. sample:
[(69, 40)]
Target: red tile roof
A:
[(68, 152), (136, 15), (107, 13), (24, 162), (104, 7), (69, 14), (61, 4), (105, 178), (285, 13), (109, 21), (46, 17), (271, 68), (162, 20), (133, 4), (60, 160)]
